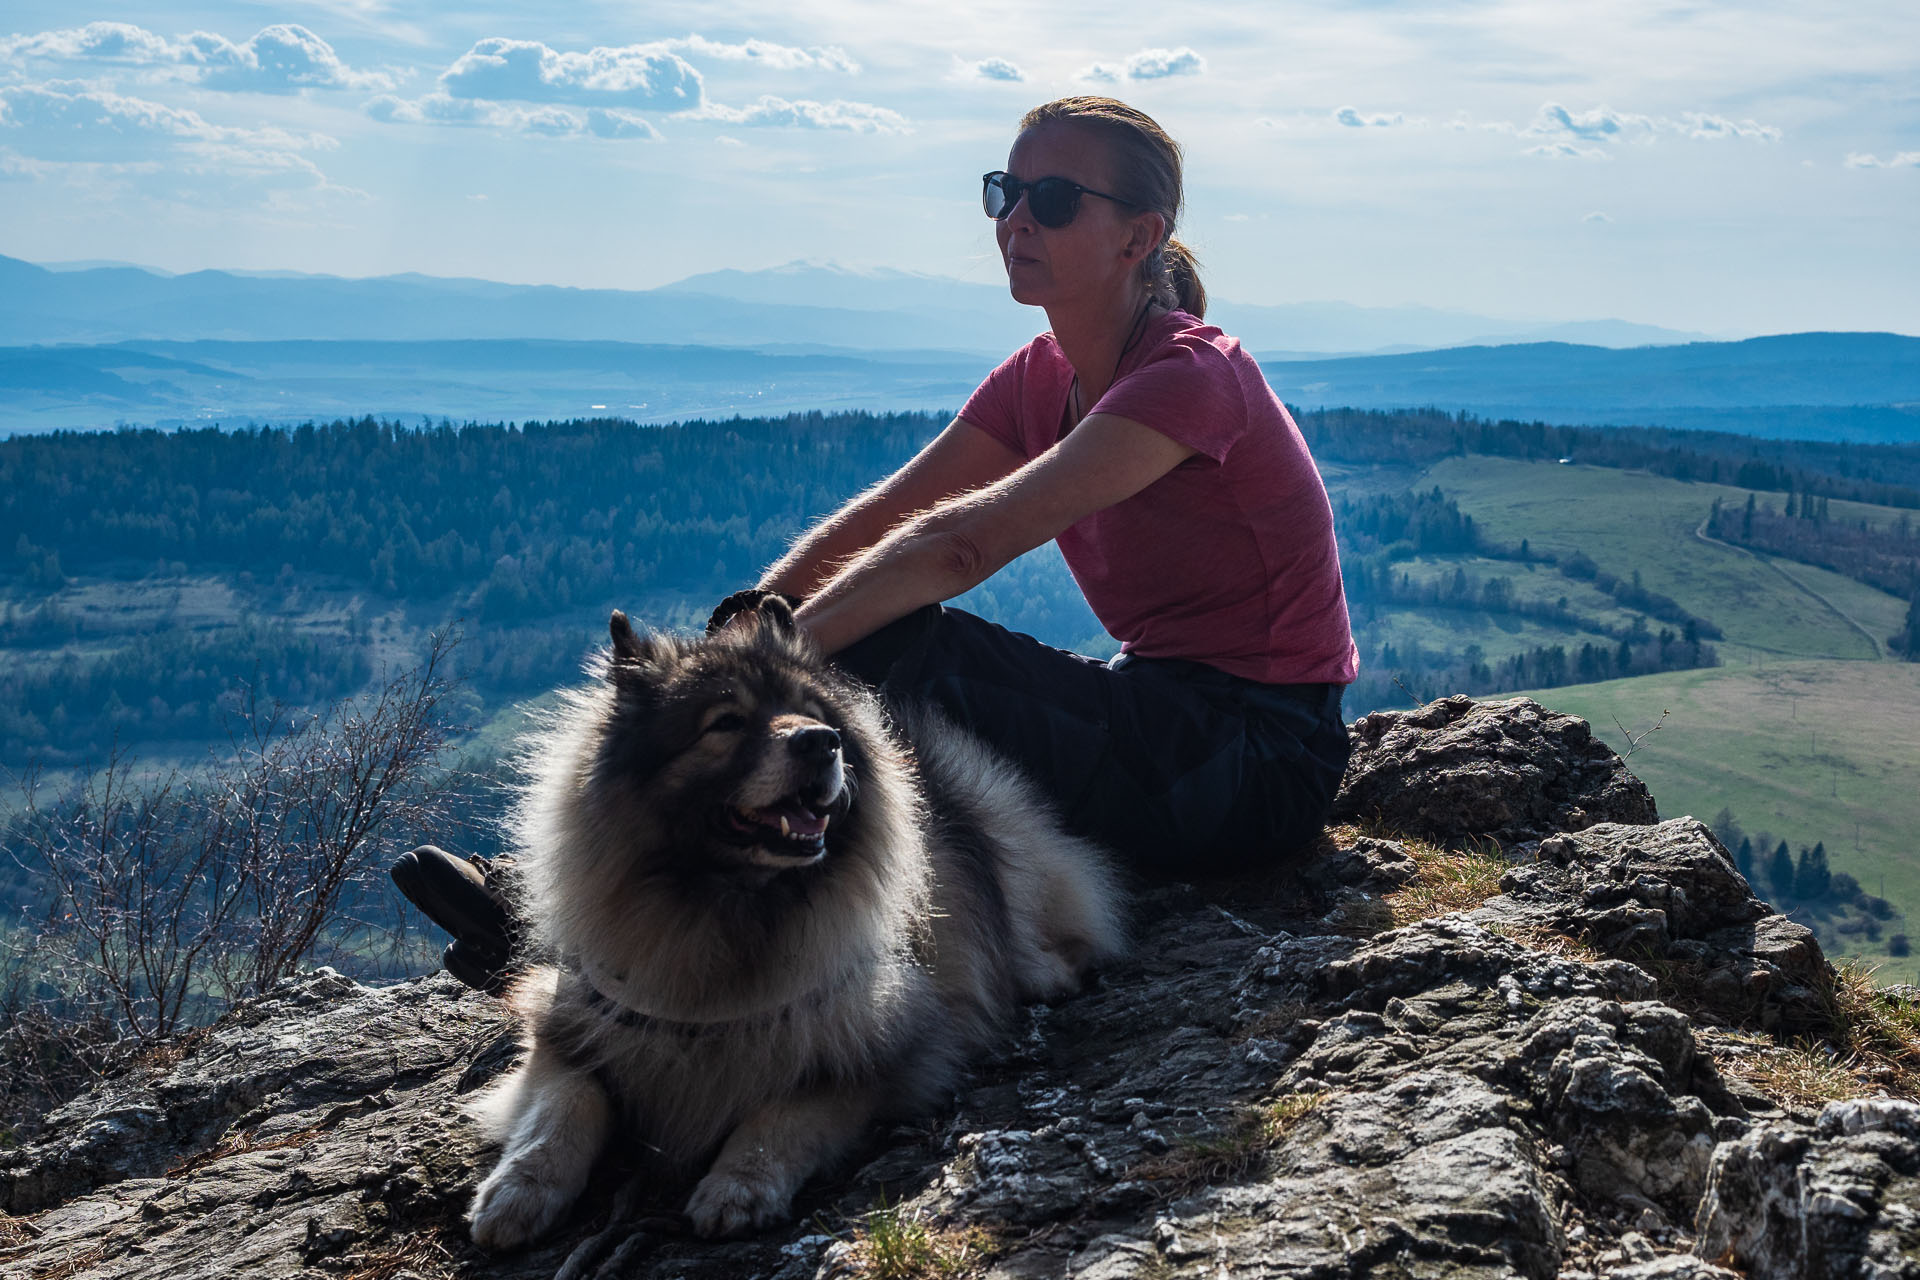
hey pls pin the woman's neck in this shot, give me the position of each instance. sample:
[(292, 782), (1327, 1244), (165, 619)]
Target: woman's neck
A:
[(1096, 338)]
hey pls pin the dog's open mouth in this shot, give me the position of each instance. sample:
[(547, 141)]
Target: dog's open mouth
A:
[(789, 829)]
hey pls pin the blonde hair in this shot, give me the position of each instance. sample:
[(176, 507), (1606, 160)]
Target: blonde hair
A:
[(1147, 174)]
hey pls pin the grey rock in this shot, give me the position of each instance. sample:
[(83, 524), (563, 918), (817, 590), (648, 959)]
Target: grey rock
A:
[(1507, 771), (1266, 1087), (1668, 897), (1839, 1199)]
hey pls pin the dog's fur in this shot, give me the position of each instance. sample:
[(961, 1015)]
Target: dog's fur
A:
[(731, 994)]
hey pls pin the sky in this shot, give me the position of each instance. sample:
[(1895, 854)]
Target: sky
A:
[(1731, 169)]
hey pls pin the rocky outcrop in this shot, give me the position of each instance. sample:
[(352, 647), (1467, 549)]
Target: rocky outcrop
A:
[(1502, 771), (1278, 1084)]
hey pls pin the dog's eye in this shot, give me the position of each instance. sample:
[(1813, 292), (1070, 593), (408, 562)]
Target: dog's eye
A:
[(726, 722)]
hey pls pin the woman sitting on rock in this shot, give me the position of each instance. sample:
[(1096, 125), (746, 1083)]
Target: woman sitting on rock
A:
[(1148, 444)]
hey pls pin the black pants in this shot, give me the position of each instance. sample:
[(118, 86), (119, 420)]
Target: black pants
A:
[(1183, 769)]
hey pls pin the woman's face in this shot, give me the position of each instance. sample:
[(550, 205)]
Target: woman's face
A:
[(1092, 259)]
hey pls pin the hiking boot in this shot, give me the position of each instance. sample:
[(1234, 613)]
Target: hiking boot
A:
[(466, 897), (481, 970)]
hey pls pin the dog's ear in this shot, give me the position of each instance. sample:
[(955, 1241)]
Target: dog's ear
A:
[(626, 645), (777, 611)]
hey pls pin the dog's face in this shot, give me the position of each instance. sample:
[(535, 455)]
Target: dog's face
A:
[(735, 747)]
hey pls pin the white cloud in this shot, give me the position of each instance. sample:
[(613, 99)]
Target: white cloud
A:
[(76, 122), (1351, 117), (177, 154), (1149, 64), (1569, 151), (18, 168), (547, 120), (638, 75), (282, 58), (1602, 124), (102, 41), (611, 122), (1900, 160), (856, 117), (781, 57), (1699, 125), (993, 69), (1157, 64)]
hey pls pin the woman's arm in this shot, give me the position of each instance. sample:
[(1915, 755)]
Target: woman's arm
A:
[(962, 541), (960, 458)]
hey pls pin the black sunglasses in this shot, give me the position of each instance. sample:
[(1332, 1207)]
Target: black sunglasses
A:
[(1051, 201)]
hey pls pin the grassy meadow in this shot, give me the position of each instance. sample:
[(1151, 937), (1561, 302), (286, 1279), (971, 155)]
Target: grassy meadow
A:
[(1630, 520), (1808, 750), (1807, 731)]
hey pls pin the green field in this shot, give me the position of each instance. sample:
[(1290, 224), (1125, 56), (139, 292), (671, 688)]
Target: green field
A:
[(1630, 520), (1808, 750)]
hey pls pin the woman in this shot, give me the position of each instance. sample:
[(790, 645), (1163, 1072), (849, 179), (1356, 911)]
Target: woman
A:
[(1182, 496)]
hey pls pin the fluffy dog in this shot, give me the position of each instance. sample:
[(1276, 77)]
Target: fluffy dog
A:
[(776, 923)]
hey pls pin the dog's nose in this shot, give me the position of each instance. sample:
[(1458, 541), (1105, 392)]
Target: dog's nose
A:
[(813, 744)]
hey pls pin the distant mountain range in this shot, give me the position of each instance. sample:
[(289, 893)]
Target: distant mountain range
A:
[(815, 304), (1835, 386), (101, 343)]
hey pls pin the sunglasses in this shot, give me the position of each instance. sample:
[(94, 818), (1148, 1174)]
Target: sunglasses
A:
[(1052, 201)]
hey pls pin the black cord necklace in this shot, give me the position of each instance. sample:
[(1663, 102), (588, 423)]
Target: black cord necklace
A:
[(1134, 335)]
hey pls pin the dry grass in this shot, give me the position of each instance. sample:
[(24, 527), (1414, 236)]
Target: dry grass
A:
[(1877, 1030), (1446, 880), (893, 1243), (1211, 1159), (68, 1265), (240, 1144), (1275, 1021), (420, 1254), (1535, 938), (1803, 1075), (1872, 1047), (16, 1237)]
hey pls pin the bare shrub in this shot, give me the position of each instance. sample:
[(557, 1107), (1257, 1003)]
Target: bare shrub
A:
[(169, 897)]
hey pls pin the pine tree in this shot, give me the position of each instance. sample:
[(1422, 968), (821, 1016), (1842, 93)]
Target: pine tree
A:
[(1780, 872), (1743, 858)]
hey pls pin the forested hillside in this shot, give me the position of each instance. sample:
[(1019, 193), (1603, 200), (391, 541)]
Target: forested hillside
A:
[(530, 534)]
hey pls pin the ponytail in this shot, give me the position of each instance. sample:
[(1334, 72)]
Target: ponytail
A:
[(1177, 281)]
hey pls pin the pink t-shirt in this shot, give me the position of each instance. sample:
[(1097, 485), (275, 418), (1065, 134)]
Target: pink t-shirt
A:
[(1228, 559)]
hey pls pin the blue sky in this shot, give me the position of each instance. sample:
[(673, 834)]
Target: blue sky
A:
[(1733, 169)]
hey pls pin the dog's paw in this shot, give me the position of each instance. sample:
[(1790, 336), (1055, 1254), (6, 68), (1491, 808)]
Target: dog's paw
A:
[(512, 1208), (730, 1201)]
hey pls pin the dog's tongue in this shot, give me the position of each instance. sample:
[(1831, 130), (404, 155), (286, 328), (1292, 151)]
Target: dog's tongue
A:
[(799, 820)]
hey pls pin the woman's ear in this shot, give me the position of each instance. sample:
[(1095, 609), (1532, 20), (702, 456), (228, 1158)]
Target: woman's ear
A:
[(1148, 231)]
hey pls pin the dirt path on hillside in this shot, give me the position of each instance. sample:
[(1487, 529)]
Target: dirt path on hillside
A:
[(1879, 654)]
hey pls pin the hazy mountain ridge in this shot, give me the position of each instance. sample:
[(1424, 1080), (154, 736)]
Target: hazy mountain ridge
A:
[(1848, 387), (798, 302)]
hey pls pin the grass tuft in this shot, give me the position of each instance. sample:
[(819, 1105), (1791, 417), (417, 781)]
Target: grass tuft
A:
[(1535, 938), (240, 1144), (1878, 1028), (1871, 1046), (1446, 880), (893, 1243), (1210, 1159), (420, 1256), (1805, 1074)]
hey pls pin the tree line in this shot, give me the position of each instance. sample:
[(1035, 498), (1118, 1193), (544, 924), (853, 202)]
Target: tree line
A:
[(1886, 474), (1832, 902), (1804, 528)]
